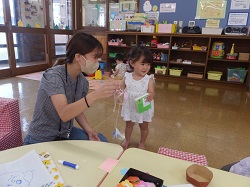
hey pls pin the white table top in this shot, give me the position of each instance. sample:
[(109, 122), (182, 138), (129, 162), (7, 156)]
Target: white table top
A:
[(89, 155), (171, 170)]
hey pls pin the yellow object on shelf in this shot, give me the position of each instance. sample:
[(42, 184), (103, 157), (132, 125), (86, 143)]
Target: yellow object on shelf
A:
[(214, 75), (175, 72), (232, 50), (98, 75), (199, 48), (160, 71)]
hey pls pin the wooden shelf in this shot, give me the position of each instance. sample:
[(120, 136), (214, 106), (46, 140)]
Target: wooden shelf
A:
[(160, 62), (208, 64), (226, 60), (120, 46), (155, 48), (193, 64), (189, 50)]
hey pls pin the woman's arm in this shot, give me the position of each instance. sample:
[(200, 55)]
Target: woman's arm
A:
[(69, 111), (83, 122)]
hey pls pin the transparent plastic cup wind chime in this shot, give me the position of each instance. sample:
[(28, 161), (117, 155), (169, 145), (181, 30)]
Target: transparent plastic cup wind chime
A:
[(119, 96)]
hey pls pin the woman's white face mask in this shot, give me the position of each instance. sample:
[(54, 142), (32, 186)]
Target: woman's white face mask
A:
[(90, 66)]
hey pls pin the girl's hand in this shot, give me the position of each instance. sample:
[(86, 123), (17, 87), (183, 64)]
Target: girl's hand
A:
[(93, 136), (150, 97)]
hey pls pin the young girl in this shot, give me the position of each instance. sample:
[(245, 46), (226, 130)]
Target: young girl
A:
[(120, 68), (137, 84)]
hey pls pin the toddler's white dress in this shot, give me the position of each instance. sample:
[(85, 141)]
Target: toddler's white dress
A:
[(134, 89)]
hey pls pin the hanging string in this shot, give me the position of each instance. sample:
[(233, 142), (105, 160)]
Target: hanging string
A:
[(118, 97), (118, 112), (118, 100)]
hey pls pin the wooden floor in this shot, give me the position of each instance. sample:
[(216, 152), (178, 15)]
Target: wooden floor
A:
[(193, 116)]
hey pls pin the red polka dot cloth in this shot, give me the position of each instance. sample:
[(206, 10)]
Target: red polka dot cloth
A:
[(191, 157), (10, 126)]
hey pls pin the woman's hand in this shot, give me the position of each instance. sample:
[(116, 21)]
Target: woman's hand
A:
[(93, 136), (107, 89)]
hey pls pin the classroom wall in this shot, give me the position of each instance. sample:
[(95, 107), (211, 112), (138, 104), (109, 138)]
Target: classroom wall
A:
[(186, 11)]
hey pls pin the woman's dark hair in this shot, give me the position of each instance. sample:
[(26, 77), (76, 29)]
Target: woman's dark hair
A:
[(81, 43), (136, 52)]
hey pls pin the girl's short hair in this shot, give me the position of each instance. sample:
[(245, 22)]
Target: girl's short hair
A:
[(82, 43), (119, 57), (136, 52)]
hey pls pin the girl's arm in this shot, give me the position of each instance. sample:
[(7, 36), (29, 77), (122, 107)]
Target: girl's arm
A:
[(116, 72), (151, 89)]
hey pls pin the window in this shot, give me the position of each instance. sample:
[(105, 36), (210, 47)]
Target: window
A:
[(94, 13), (61, 11)]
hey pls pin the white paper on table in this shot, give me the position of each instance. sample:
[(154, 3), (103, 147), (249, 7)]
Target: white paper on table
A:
[(26, 171)]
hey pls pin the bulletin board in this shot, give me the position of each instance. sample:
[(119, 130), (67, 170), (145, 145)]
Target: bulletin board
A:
[(186, 11), (32, 14)]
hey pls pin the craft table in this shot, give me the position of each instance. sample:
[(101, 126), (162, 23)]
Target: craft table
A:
[(171, 170), (89, 155)]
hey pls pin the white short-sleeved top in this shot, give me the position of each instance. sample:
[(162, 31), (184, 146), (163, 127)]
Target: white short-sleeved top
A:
[(136, 88), (122, 69)]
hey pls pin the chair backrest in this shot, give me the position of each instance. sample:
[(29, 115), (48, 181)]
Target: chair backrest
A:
[(9, 114), (191, 157), (10, 125)]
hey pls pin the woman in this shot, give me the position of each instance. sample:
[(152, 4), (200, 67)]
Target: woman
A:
[(63, 95)]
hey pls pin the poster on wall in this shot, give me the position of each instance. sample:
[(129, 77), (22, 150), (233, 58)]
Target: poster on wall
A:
[(167, 7), (152, 15), (211, 9), (237, 19), (240, 4), (32, 13)]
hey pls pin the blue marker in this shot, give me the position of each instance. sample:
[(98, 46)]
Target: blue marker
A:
[(69, 164)]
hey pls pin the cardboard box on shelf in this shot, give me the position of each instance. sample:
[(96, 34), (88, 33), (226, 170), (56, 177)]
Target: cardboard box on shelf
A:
[(244, 56), (197, 75), (148, 28), (206, 30), (166, 28)]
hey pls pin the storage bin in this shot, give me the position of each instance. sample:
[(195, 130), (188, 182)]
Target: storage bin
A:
[(163, 45), (115, 43), (175, 71), (197, 75), (214, 75), (236, 74), (165, 28), (112, 55), (160, 71), (117, 25), (148, 28), (134, 26), (205, 30)]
